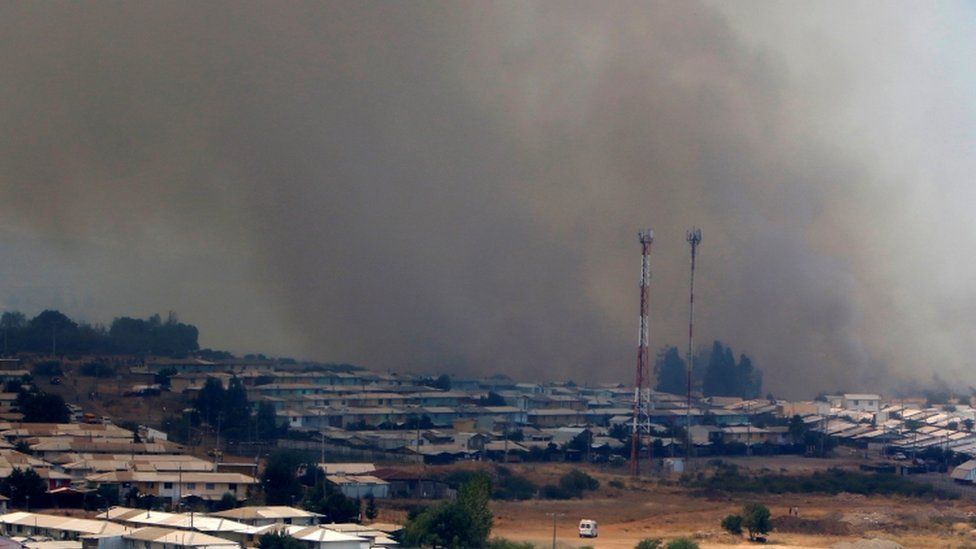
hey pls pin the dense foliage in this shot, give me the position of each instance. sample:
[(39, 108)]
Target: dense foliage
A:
[(755, 519), (52, 331), (833, 481), (464, 523), (40, 407), (671, 372), (23, 485), (278, 540), (724, 377)]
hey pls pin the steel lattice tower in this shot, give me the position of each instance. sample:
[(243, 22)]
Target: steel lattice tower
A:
[(694, 238), (640, 420)]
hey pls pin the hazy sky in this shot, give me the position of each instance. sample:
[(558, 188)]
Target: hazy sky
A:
[(457, 186)]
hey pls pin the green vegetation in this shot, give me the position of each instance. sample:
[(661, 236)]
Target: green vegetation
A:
[(278, 479), (649, 543), (510, 486), (277, 540), (724, 377), (96, 369), (755, 519), (671, 371), (464, 523), (732, 524), (502, 543), (324, 498), (52, 331), (22, 486), (727, 478), (40, 407), (681, 543), (571, 485), (47, 368)]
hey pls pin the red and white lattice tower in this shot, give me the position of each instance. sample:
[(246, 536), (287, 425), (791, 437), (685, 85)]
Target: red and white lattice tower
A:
[(641, 422)]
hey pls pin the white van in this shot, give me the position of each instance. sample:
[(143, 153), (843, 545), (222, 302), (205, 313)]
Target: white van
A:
[(587, 528)]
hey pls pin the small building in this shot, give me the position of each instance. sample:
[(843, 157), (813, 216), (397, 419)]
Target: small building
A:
[(19, 523), (965, 472), (861, 402), (265, 515), (360, 486)]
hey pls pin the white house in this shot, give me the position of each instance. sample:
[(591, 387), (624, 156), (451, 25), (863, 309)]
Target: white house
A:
[(965, 472), (861, 402)]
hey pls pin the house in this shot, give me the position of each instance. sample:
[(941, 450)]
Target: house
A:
[(316, 537), (965, 472), (360, 486), (270, 514), (177, 485), (861, 402), (56, 527), (405, 484), (154, 537)]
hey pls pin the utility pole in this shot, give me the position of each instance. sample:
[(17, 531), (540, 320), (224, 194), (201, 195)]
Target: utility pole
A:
[(554, 517), (645, 238), (694, 237)]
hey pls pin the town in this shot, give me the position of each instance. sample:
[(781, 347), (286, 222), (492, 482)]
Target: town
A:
[(145, 460)]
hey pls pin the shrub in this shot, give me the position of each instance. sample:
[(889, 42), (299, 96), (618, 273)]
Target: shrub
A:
[(502, 543), (732, 524), (681, 543), (616, 484), (96, 369), (575, 482), (648, 543), (48, 368), (509, 486), (755, 519)]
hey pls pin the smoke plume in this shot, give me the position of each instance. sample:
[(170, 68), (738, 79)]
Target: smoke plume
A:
[(457, 186)]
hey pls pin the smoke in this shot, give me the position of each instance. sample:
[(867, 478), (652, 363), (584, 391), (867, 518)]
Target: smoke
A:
[(427, 186)]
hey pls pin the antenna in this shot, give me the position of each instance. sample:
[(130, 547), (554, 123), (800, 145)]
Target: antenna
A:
[(645, 237), (694, 237)]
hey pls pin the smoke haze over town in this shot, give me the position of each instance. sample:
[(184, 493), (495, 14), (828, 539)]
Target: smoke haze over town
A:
[(458, 186)]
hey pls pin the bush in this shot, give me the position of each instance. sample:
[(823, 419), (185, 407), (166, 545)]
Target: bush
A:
[(576, 482), (96, 369), (732, 524), (509, 486), (648, 543), (47, 368), (681, 543), (502, 543), (755, 519)]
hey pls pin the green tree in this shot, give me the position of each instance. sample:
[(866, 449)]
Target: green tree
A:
[(756, 519), (649, 543), (278, 480), (210, 400), (732, 524), (371, 511), (326, 499), (797, 428), (23, 484), (575, 482), (279, 540), (681, 543), (40, 407), (227, 501), (672, 374), (267, 426), (461, 524), (236, 411)]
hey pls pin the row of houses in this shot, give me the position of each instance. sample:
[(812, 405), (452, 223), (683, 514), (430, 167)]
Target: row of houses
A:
[(126, 528)]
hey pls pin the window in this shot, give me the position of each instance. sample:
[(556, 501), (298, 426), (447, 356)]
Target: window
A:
[(168, 485), (191, 486), (232, 487), (210, 486)]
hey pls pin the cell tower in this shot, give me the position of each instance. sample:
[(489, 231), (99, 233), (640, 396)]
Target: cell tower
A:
[(694, 238), (640, 420)]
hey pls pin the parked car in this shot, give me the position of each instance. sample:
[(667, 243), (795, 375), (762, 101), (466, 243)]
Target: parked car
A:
[(587, 528)]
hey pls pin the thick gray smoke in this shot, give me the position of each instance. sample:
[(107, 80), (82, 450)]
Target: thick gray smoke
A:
[(457, 186)]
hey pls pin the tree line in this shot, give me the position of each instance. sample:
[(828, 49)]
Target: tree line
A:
[(715, 371), (53, 332)]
